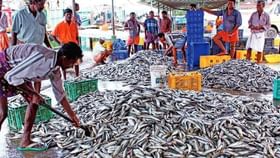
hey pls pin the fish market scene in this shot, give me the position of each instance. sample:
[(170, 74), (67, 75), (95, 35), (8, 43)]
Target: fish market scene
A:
[(139, 79)]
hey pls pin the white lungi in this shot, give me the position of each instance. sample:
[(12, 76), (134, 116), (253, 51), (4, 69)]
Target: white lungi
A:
[(256, 41)]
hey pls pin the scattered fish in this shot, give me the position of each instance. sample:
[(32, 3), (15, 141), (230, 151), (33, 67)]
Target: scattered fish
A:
[(147, 122), (134, 70), (239, 75)]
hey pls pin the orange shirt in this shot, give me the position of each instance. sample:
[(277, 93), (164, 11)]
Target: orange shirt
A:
[(65, 32)]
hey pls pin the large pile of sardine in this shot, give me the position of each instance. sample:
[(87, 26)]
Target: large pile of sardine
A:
[(155, 123), (134, 70), (240, 75)]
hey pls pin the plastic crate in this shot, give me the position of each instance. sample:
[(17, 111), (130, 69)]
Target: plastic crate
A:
[(276, 88), (269, 43), (211, 60), (241, 54), (272, 58), (194, 51), (270, 51), (185, 81), (119, 55), (276, 42), (75, 89), (16, 114), (195, 16)]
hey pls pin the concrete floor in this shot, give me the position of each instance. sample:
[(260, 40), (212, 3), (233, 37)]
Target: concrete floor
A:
[(8, 145)]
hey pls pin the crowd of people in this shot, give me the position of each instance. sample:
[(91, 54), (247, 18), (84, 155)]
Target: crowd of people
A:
[(158, 32)]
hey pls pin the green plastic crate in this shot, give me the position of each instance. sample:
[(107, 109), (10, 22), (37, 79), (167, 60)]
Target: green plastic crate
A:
[(75, 89), (16, 114), (276, 88)]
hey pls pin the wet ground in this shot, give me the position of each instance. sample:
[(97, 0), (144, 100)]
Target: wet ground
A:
[(8, 145)]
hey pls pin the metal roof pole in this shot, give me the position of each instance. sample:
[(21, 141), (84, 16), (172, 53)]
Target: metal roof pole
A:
[(73, 8), (158, 8), (113, 18)]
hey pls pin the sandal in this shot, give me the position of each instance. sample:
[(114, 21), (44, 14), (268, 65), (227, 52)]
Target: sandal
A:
[(34, 147)]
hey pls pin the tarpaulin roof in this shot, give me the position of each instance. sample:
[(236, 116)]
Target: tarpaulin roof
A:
[(183, 4)]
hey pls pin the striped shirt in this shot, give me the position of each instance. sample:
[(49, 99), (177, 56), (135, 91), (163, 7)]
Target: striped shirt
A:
[(263, 20), (151, 26), (29, 29), (3, 22), (30, 62)]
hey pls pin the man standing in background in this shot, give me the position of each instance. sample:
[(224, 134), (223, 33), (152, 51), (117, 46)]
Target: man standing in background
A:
[(259, 23), (165, 25), (151, 31), (29, 26), (77, 16), (67, 31), (133, 27), (232, 20)]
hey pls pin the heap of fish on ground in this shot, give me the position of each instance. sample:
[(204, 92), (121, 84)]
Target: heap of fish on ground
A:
[(240, 75), (134, 70), (155, 123)]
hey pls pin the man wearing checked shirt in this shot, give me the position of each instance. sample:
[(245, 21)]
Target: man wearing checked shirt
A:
[(151, 31), (29, 26)]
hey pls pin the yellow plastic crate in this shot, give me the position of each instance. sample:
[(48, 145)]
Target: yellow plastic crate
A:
[(276, 42), (185, 81), (272, 58), (241, 54), (211, 60)]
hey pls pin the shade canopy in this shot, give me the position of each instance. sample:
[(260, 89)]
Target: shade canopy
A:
[(183, 4)]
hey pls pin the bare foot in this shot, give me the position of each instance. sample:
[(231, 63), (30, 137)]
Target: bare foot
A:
[(25, 143)]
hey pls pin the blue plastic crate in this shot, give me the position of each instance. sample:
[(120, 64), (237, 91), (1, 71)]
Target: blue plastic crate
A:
[(276, 88), (194, 51), (180, 56), (119, 55)]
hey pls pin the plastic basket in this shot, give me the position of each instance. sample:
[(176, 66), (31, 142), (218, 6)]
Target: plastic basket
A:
[(241, 54), (75, 89), (276, 42), (269, 43), (119, 55), (276, 88), (194, 51), (208, 61), (272, 58), (16, 114), (185, 81)]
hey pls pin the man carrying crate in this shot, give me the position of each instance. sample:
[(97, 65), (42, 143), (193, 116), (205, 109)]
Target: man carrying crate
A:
[(31, 62), (258, 23)]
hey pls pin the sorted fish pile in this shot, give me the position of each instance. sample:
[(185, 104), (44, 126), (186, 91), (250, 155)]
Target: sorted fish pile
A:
[(134, 70), (240, 75), (153, 123)]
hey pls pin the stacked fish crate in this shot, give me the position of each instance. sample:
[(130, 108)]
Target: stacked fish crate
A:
[(119, 50), (276, 88), (195, 40)]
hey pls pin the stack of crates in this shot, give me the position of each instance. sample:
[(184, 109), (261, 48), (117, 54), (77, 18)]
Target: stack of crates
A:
[(276, 88), (195, 40), (211, 60), (185, 81), (269, 46), (241, 54), (17, 109), (75, 89)]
